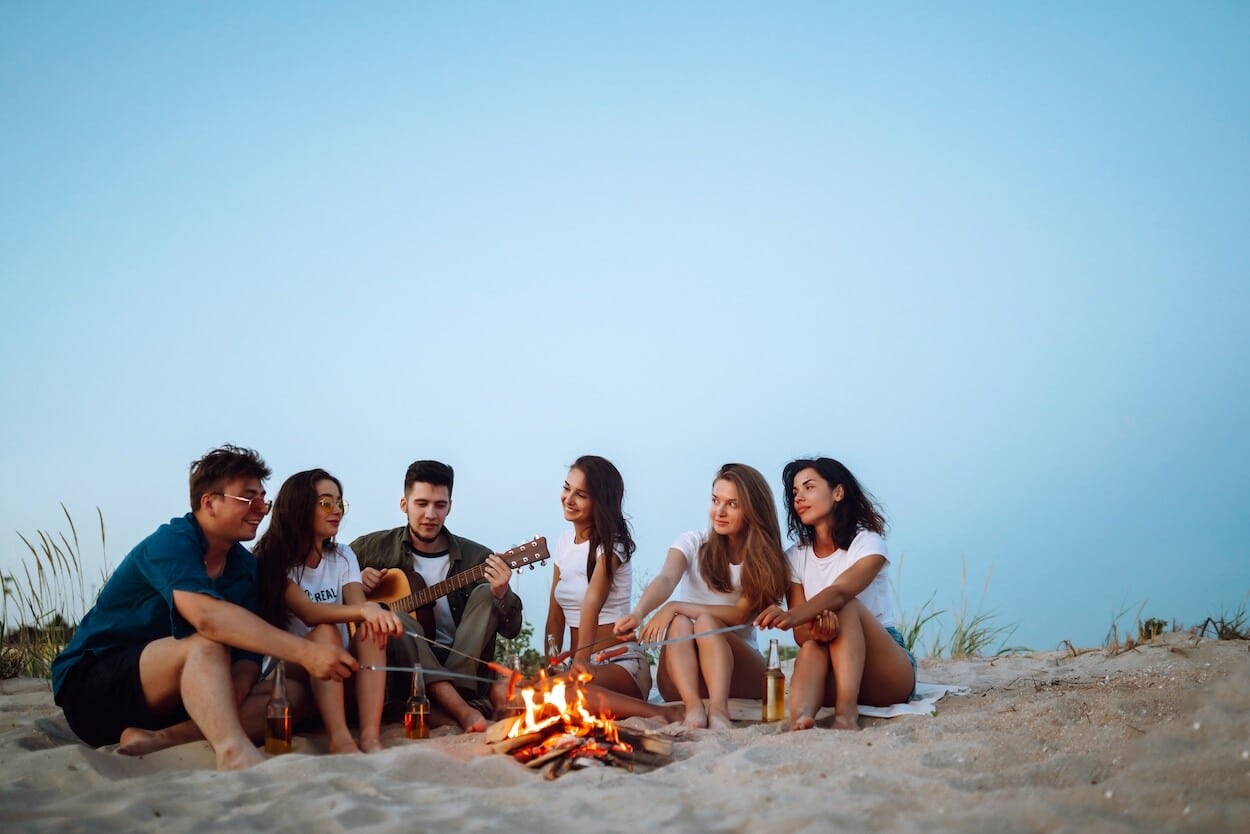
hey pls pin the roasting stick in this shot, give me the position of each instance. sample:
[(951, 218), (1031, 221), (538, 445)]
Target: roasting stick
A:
[(511, 674), (495, 667), (609, 654), (439, 672), (567, 653)]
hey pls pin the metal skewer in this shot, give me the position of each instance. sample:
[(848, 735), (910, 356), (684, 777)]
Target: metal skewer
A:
[(496, 667), (609, 654), (426, 670)]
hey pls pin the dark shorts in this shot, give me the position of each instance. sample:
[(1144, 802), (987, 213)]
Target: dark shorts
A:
[(103, 695)]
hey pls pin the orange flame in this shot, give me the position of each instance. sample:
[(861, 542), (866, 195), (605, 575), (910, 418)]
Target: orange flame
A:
[(562, 700)]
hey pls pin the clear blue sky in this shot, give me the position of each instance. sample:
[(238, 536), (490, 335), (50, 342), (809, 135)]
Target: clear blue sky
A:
[(992, 256)]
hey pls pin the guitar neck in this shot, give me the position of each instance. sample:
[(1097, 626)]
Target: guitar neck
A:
[(516, 558), (435, 592)]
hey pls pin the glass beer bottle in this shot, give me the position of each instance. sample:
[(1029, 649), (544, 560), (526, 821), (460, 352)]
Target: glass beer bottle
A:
[(515, 705), (417, 712), (774, 686), (278, 715), (554, 667)]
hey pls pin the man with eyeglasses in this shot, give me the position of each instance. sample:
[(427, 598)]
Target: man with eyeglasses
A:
[(170, 651), (466, 620)]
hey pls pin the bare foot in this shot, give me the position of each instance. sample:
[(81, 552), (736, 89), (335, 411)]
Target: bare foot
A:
[(370, 743), (230, 757), (696, 717), (671, 715), (136, 741), (719, 722), (844, 721), (470, 720), (803, 722), (343, 744)]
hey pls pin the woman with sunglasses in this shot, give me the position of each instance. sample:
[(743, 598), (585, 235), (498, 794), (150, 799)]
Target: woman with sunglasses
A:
[(310, 585)]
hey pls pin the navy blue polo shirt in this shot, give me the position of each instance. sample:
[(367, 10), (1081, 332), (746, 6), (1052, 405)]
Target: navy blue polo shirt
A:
[(136, 605)]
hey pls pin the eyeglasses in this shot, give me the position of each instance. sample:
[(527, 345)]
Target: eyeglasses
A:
[(332, 504), (256, 503)]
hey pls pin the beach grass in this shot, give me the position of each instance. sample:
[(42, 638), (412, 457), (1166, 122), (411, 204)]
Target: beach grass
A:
[(973, 632), (42, 604)]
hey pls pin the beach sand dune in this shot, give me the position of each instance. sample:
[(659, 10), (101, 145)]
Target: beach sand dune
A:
[(1153, 739)]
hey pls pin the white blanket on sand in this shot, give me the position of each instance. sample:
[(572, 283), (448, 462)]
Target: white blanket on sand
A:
[(924, 702)]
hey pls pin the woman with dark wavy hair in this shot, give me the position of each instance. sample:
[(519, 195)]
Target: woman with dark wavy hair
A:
[(839, 603), (591, 585), (728, 574), (310, 585)]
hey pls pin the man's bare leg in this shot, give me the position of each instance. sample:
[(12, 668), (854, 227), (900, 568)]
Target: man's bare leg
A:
[(197, 671)]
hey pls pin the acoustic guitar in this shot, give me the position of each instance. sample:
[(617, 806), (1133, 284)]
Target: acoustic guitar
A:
[(403, 589)]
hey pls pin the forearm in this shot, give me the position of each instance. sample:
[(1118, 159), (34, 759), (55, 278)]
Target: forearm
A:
[(656, 593), (728, 614), (232, 625), (586, 634), (555, 624)]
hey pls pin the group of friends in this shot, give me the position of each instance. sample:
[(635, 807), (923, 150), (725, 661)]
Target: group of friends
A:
[(172, 649)]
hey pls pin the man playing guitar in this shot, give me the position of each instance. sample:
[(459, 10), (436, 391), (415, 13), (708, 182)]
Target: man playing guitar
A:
[(467, 619)]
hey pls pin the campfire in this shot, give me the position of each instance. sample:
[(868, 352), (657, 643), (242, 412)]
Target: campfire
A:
[(558, 732)]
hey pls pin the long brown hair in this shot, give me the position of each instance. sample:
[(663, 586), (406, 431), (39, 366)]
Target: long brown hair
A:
[(288, 540), (765, 575), (609, 528)]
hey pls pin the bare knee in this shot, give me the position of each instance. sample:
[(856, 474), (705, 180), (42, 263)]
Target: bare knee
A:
[(326, 633), (680, 626), (708, 622), (201, 650)]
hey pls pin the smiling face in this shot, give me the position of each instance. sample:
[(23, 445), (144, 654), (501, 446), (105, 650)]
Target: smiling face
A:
[(326, 522), (227, 516), (813, 496), (727, 514), (426, 506), (575, 499)]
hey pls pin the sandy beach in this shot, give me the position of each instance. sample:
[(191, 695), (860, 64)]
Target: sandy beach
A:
[(1152, 739)]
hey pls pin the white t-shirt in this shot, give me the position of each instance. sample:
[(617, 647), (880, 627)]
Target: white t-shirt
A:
[(694, 589), (433, 569), (570, 558), (324, 583), (815, 573)]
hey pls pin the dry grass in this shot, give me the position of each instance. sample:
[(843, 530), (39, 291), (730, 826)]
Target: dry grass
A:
[(38, 599), (973, 633)]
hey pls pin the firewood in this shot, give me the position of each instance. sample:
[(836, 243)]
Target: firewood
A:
[(558, 768), (643, 757), (620, 760), (650, 742), (507, 745), (562, 748), (499, 730)]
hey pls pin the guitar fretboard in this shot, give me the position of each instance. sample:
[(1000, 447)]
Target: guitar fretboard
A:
[(517, 557)]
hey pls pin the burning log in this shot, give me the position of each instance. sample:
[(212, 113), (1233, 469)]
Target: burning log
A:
[(558, 733)]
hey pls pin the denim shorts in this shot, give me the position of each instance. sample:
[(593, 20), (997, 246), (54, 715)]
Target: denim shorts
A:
[(898, 638)]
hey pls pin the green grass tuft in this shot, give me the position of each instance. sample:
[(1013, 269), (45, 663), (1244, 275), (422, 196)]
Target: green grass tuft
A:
[(36, 601)]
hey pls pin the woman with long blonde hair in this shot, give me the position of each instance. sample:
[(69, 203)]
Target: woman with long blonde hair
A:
[(728, 574)]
